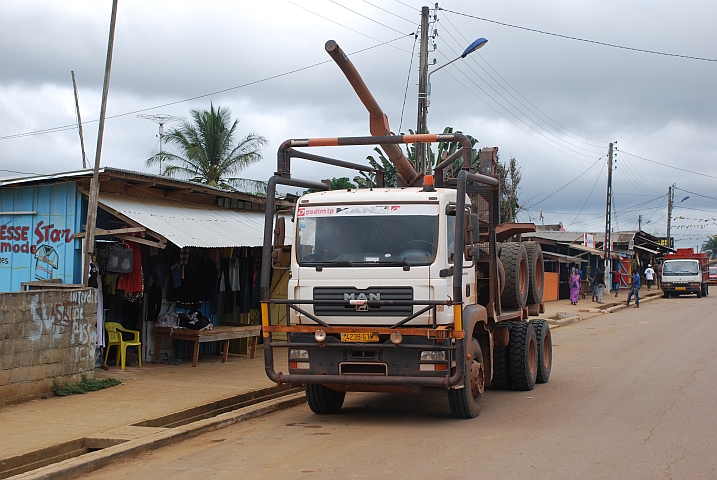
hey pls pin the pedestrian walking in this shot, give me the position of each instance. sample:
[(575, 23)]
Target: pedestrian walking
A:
[(649, 276), (574, 288), (658, 274), (635, 289), (600, 283), (615, 279)]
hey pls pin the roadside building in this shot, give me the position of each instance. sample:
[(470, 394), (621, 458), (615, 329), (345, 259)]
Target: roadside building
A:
[(161, 244)]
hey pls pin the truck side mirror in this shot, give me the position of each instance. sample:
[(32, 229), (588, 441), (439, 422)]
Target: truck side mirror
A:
[(279, 232), (277, 254)]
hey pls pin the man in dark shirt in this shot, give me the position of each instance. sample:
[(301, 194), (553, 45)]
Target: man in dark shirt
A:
[(635, 289), (658, 274)]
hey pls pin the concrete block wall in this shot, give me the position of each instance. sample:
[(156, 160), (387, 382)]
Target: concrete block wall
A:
[(45, 335)]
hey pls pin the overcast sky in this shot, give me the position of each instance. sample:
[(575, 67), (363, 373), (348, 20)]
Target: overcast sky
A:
[(552, 103)]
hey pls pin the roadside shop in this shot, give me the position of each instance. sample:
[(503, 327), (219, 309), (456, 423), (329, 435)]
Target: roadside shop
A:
[(162, 245)]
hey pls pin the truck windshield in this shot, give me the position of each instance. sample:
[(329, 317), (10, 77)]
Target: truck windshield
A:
[(363, 235), (681, 267)]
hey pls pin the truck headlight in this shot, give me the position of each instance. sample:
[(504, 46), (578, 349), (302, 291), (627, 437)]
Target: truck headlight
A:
[(429, 355), (295, 353)]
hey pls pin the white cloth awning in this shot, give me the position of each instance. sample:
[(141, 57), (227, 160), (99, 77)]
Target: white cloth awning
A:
[(583, 248), (648, 250), (188, 224)]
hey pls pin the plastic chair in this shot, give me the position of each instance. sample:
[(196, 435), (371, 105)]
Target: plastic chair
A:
[(114, 332)]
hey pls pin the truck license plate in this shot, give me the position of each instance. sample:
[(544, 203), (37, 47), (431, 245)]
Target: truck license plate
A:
[(680, 288), (359, 337)]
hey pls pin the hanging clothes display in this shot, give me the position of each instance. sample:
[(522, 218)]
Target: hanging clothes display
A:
[(133, 282)]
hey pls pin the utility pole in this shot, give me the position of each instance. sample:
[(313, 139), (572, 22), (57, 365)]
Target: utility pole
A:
[(670, 202), (95, 182), (79, 120), (639, 222), (421, 153), (608, 208)]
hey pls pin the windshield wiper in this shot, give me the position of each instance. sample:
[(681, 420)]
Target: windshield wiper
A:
[(333, 263)]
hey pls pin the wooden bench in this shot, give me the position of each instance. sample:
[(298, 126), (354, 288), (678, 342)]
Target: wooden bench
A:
[(220, 333)]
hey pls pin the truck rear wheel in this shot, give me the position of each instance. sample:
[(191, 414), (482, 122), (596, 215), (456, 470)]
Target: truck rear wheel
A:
[(323, 400), (535, 272), (544, 342), (466, 402), (523, 356), (501, 371), (515, 262)]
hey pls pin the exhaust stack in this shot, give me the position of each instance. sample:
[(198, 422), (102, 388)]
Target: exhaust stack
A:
[(378, 120)]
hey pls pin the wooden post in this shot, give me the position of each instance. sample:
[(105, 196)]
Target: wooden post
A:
[(95, 183), (79, 120)]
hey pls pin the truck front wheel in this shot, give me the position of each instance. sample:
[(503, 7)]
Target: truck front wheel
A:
[(323, 400), (466, 402)]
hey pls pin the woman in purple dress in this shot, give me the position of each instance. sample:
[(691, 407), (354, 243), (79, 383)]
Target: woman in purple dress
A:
[(574, 288)]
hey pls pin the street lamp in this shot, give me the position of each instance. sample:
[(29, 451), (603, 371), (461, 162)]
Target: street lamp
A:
[(423, 103), (479, 43)]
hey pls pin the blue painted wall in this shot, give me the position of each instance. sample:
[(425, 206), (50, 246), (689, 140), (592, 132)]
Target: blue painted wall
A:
[(39, 246)]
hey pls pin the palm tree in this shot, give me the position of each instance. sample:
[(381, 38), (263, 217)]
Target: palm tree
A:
[(710, 245), (209, 153)]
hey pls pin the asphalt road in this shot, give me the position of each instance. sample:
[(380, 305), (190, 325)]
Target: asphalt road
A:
[(632, 395)]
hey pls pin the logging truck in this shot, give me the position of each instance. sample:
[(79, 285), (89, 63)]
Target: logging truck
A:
[(396, 289)]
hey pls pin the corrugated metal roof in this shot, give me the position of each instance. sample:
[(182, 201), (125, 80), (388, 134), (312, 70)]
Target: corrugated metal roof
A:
[(190, 225)]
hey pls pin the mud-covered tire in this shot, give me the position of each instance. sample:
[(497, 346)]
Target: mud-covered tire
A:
[(466, 402), (544, 342), (501, 372), (515, 262), (536, 272), (523, 356), (323, 400)]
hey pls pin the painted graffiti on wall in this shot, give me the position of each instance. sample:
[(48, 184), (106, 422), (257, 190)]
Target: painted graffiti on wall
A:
[(66, 317)]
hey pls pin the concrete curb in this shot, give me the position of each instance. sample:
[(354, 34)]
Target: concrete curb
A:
[(577, 318), (74, 467)]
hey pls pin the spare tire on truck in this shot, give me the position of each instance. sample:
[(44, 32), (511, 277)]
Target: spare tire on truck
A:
[(535, 272), (515, 263)]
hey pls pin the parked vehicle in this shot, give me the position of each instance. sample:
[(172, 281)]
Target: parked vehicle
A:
[(712, 275), (397, 289), (685, 272)]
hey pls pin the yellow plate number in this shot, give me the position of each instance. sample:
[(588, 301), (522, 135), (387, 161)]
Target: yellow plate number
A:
[(359, 337), (680, 288)]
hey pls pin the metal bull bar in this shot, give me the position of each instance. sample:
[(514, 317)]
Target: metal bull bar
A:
[(283, 176)]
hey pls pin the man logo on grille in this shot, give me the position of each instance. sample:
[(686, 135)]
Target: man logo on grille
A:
[(362, 296)]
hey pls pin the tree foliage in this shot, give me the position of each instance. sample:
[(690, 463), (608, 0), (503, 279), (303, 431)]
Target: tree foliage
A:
[(710, 245), (209, 152), (509, 176), (342, 183)]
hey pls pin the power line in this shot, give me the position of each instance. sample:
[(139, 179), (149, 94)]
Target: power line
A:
[(248, 84), (587, 199), (391, 13), (605, 44), (344, 26), (508, 119), (408, 78), (545, 118), (517, 108), (571, 181), (697, 194), (668, 166), (364, 16)]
